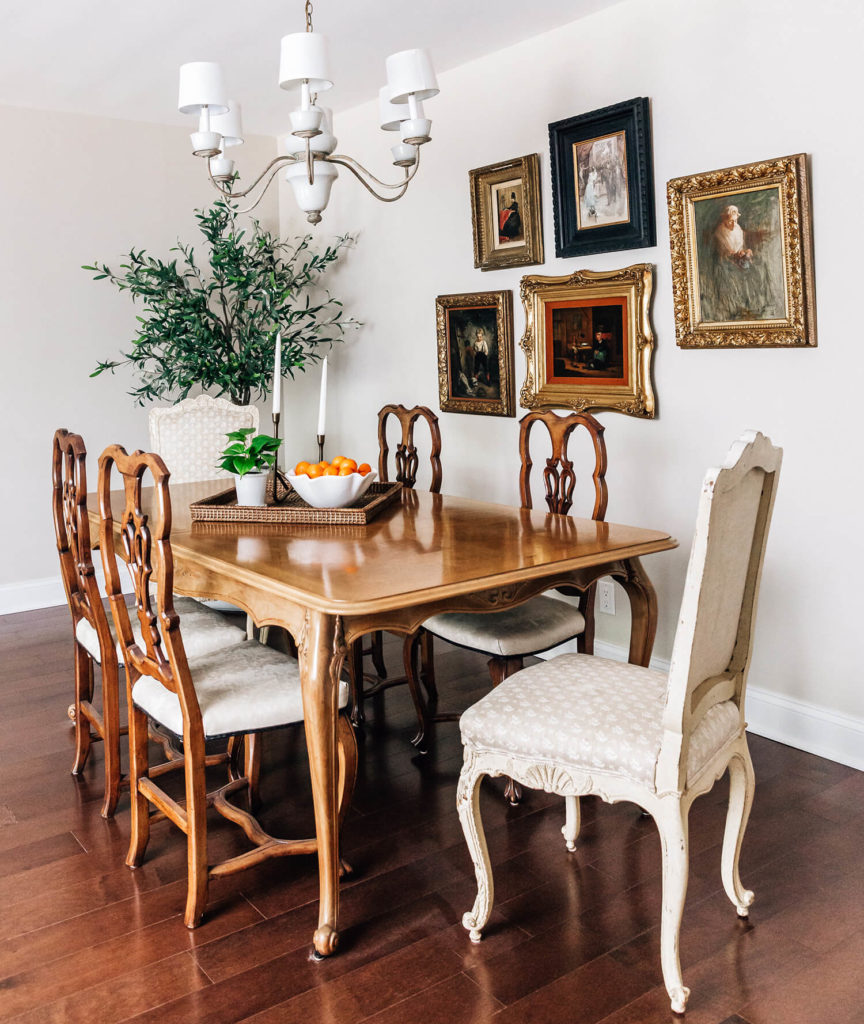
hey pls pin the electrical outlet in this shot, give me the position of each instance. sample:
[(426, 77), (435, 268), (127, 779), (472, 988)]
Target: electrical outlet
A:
[(606, 597)]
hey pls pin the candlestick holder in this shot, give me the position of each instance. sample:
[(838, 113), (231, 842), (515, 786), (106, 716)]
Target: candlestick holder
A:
[(320, 439), (276, 477)]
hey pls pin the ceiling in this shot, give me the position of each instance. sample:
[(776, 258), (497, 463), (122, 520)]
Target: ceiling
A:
[(119, 58)]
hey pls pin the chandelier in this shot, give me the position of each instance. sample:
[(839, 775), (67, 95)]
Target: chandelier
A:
[(310, 161)]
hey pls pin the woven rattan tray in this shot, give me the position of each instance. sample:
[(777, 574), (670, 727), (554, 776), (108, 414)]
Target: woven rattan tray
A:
[(223, 508)]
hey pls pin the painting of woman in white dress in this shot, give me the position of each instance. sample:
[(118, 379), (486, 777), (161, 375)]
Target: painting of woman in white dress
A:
[(740, 257), (600, 172)]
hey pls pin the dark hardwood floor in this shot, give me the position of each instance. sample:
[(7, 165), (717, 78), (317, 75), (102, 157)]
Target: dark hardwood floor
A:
[(575, 936)]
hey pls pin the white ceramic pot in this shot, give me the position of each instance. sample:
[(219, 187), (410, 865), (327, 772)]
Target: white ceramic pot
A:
[(251, 488)]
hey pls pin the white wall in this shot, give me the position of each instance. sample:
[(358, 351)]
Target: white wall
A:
[(75, 190), (730, 81)]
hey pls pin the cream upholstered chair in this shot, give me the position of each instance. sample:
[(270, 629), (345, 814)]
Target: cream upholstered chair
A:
[(242, 689), (95, 640), (190, 435), (578, 724)]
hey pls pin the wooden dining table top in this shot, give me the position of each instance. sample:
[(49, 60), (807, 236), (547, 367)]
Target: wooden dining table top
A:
[(426, 546)]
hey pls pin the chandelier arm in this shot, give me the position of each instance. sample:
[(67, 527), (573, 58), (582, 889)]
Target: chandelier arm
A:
[(270, 169), (364, 176)]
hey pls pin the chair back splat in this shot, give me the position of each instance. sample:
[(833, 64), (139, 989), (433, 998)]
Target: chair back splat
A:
[(405, 456)]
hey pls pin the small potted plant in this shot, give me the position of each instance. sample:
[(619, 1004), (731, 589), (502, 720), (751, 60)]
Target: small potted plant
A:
[(250, 460)]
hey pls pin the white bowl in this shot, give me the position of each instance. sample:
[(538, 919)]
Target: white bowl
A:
[(331, 491)]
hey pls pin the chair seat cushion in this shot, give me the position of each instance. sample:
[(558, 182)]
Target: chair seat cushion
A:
[(537, 625), (203, 629), (591, 714), (245, 688)]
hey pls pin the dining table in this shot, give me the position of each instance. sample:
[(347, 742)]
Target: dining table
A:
[(328, 585)]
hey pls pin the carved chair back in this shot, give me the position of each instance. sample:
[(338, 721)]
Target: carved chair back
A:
[(190, 436), (714, 640), (72, 531), (559, 476), (147, 553), (406, 458)]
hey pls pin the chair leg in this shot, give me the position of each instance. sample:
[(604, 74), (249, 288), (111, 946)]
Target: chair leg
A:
[(468, 806), (139, 767), (671, 821), (196, 830), (83, 691), (741, 786), (572, 821), (346, 751), (409, 656), (111, 736), (377, 653), (499, 670), (355, 677), (252, 746)]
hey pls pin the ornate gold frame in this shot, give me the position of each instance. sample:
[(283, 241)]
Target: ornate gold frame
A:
[(799, 327), (635, 397), (484, 224), (503, 303)]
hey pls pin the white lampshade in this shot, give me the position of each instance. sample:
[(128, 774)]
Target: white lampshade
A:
[(230, 125), (390, 114), (201, 85), (312, 199), (305, 57), (410, 72)]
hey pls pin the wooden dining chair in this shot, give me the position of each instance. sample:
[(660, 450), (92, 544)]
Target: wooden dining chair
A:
[(241, 690), (542, 622), (407, 464), (578, 724), (95, 642)]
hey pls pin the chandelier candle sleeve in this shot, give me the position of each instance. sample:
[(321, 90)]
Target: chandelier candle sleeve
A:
[(277, 376), (322, 400)]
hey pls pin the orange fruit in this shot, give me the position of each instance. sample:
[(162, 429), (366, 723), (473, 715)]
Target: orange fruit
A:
[(345, 470), (339, 460), (314, 471), (364, 468), (350, 463), (323, 464), (331, 471), (301, 468)]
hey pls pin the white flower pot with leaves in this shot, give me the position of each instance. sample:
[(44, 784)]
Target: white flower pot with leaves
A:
[(250, 459)]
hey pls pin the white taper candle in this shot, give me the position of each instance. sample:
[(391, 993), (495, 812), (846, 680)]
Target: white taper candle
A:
[(322, 401), (277, 377)]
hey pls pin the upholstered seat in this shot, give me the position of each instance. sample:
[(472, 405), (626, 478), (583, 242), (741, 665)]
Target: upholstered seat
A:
[(537, 625), (243, 689), (587, 713), (204, 631)]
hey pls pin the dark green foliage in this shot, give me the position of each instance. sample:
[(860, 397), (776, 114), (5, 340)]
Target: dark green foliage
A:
[(215, 326), (247, 454)]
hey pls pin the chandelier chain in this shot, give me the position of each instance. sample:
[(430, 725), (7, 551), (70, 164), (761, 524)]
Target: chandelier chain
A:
[(308, 15)]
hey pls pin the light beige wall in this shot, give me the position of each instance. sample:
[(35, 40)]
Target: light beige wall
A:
[(730, 81), (77, 189)]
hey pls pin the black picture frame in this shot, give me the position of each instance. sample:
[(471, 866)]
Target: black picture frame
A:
[(628, 123)]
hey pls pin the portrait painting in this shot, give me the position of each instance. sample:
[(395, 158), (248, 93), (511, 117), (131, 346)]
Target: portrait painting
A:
[(742, 256), (505, 214), (475, 341), (600, 173), (603, 180), (588, 341)]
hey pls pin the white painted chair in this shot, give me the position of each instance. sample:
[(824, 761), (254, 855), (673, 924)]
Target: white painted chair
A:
[(579, 724), (190, 436)]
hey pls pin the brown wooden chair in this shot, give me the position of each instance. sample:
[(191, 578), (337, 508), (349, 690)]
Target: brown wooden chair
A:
[(241, 690), (407, 464), (542, 622), (94, 640)]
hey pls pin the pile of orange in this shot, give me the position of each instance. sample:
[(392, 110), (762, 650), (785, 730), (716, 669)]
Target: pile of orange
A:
[(340, 466)]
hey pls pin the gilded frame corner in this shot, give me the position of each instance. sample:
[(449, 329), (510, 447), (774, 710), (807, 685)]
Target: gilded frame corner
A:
[(798, 328), (450, 384), (484, 219), (635, 395)]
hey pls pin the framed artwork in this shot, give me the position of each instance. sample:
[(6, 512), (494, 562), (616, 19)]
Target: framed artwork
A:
[(603, 180), (742, 256), (475, 353), (588, 342), (505, 214)]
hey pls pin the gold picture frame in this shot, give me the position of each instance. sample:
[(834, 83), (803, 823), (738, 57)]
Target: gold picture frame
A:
[(588, 341), (505, 214), (475, 353), (742, 256)]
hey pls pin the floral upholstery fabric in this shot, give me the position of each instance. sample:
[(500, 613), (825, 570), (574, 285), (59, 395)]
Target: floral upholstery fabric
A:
[(589, 713), (537, 625), (245, 688), (203, 630)]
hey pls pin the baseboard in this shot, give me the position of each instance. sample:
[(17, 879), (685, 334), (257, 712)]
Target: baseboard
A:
[(29, 595), (797, 723)]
